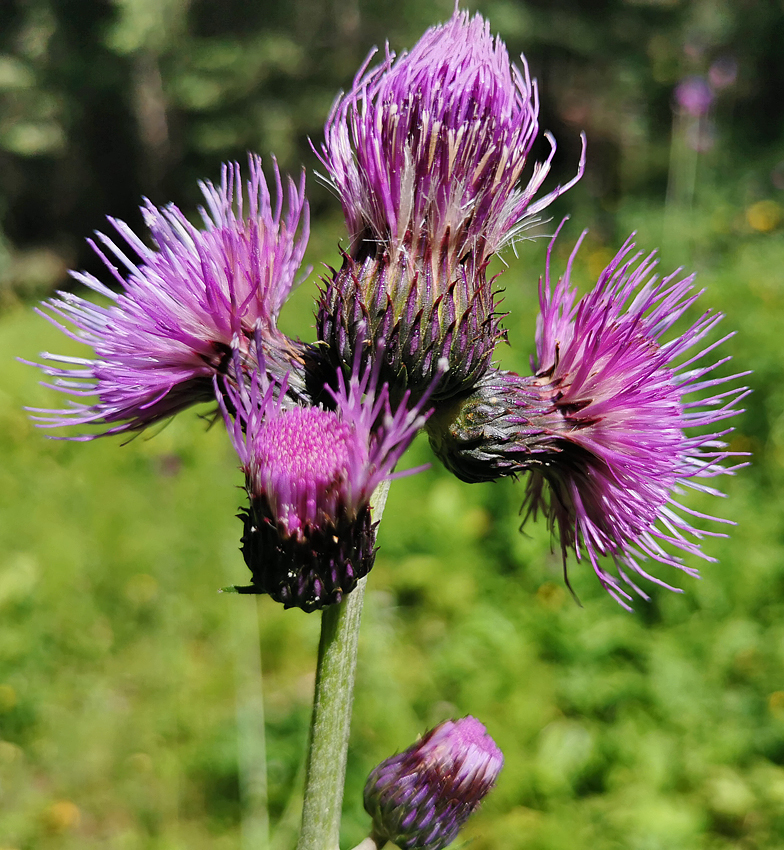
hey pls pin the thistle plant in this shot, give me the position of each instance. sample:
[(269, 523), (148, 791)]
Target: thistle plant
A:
[(621, 413)]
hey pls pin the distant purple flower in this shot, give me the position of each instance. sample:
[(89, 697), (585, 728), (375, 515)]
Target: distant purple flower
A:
[(309, 473), (181, 305), (694, 96), (601, 426), (421, 798), (426, 154)]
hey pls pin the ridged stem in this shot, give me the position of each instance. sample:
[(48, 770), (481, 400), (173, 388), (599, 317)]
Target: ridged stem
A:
[(331, 719)]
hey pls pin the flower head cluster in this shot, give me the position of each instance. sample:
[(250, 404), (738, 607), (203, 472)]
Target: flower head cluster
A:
[(605, 425), (182, 304), (310, 473), (427, 154), (421, 798)]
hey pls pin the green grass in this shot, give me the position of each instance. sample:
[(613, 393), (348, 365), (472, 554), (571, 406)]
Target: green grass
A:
[(121, 667)]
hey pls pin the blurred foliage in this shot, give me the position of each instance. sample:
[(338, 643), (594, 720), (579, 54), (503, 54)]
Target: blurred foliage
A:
[(123, 673)]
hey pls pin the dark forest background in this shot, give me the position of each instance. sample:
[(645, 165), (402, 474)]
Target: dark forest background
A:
[(103, 102)]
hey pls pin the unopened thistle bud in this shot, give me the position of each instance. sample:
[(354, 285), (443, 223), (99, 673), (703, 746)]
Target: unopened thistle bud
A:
[(426, 154), (604, 425), (421, 798), (310, 472)]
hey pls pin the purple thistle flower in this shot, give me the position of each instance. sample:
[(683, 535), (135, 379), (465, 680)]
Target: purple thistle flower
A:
[(428, 147), (602, 425), (182, 305), (309, 473), (426, 154), (421, 798), (693, 96)]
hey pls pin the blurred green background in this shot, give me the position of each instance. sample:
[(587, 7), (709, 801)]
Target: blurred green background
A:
[(128, 687)]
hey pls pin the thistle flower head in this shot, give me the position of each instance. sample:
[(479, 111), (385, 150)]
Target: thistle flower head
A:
[(605, 424), (310, 473), (181, 305), (429, 147), (421, 798), (426, 154)]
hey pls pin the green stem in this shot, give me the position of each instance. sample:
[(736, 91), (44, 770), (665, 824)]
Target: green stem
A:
[(331, 720)]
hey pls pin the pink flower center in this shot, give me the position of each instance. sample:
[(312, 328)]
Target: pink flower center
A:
[(304, 459)]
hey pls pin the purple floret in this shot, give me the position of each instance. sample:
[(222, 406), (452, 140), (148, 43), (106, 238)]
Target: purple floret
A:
[(180, 306)]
